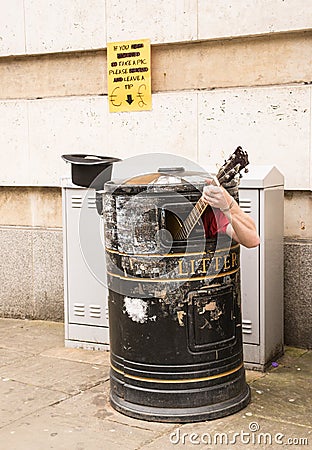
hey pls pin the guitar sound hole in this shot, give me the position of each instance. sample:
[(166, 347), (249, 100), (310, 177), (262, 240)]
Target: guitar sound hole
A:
[(174, 221)]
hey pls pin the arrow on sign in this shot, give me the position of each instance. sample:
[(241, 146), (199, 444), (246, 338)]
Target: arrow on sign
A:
[(129, 99)]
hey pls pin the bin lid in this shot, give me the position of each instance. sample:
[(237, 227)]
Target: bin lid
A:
[(169, 176), (165, 176)]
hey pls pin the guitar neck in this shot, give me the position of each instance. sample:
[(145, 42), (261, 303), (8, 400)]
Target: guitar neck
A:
[(234, 164), (193, 217)]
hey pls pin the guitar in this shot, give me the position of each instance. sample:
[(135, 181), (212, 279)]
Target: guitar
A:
[(232, 166)]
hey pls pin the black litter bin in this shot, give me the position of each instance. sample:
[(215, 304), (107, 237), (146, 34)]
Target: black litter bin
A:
[(174, 305)]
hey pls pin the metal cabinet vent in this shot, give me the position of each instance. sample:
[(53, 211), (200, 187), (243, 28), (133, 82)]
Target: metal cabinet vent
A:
[(76, 201), (91, 202), (245, 204), (79, 309), (246, 326), (95, 311)]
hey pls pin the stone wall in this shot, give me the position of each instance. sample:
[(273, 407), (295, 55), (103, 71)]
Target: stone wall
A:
[(224, 74)]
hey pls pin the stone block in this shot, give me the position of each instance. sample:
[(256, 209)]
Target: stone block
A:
[(65, 125), (64, 26), (48, 287), (298, 293), (298, 214), (252, 17), (170, 128), (271, 123), (12, 37), (159, 20), (46, 207), (16, 272), (31, 273), (30, 77), (14, 143), (36, 206), (15, 206)]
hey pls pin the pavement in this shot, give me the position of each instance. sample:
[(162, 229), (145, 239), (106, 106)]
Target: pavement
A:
[(54, 397)]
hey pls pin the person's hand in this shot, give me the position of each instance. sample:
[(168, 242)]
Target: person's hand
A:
[(241, 228), (216, 196)]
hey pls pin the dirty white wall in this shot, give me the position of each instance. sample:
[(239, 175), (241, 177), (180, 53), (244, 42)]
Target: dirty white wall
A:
[(38, 26), (272, 123)]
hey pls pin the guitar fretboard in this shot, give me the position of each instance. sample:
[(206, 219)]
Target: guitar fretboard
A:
[(191, 220)]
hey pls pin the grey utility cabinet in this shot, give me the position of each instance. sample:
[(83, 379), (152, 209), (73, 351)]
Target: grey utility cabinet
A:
[(85, 292), (261, 195)]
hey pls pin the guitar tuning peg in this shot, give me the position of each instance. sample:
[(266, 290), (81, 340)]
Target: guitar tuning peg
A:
[(246, 170)]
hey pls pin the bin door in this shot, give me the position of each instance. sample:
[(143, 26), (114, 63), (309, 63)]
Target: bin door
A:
[(211, 323)]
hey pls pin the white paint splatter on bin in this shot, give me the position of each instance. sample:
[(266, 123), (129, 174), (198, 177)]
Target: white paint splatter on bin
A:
[(136, 309)]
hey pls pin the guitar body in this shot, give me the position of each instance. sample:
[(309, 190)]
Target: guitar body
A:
[(172, 223), (172, 217)]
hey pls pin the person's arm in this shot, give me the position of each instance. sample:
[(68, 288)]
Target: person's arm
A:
[(241, 226)]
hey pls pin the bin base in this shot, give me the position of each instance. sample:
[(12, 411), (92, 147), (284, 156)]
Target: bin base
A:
[(181, 415)]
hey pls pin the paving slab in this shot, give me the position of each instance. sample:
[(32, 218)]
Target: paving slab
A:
[(61, 375), (95, 402), (282, 395), (290, 356), (233, 432), (30, 336), (252, 375), (285, 378), (54, 428), (78, 355), (8, 356), (304, 364), (19, 400)]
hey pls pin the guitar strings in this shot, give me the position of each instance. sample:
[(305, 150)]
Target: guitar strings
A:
[(191, 220)]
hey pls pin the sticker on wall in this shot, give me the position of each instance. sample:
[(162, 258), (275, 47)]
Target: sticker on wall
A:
[(129, 75)]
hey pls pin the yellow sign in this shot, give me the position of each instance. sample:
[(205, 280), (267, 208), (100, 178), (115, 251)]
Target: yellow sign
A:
[(129, 75)]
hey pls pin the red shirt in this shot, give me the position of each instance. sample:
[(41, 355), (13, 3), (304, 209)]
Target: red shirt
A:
[(214, 222)]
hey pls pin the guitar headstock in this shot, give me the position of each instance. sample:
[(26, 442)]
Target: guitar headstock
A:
[(233, 165)]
